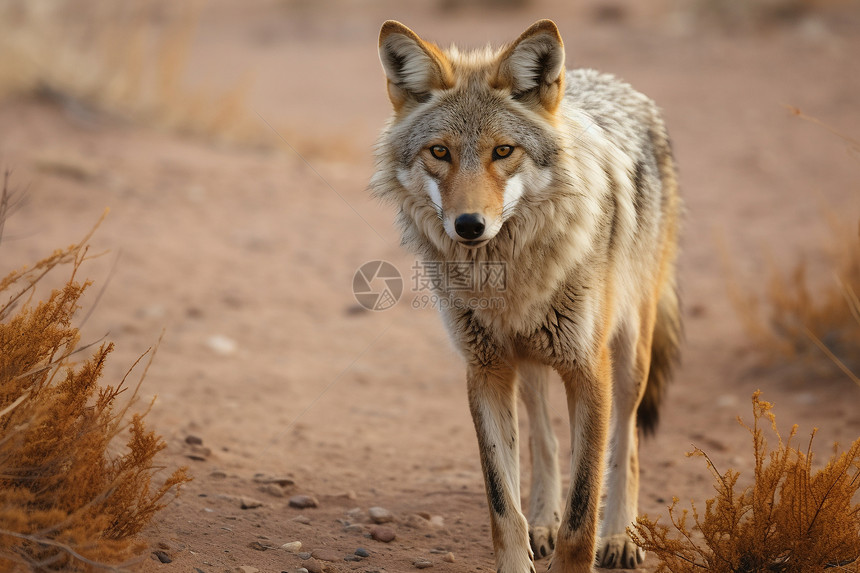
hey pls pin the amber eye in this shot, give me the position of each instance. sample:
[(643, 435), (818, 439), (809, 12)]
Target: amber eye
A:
[(502, 151), (441, 152)]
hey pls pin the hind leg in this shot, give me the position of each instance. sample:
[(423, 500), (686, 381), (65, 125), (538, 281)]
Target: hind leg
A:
[(545, 498), (630, 369)]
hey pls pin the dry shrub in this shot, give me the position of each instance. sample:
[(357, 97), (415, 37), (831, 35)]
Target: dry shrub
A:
[(66, 501), (812, 319), (791, 519), (817, 323), (126, 59)]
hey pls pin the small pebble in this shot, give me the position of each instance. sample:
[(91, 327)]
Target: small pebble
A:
[(380, 515), (362, 552), (302, 519), (273, 490), (303, 501), (384, 534), (249, 503), (422, 564), (248, 569), (292, 546), (326, 555), (258, 546), (223, 345), (201, 451), (193, 441), (352, 558), (162, 556), (313, 566), (304, 555), (416, 521), (302, 570), (277, 480), (354, 528), (449, 557), (218, 474), (437, 521)]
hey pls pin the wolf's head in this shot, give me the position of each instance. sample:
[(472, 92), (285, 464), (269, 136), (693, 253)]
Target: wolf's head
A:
[(472, 134)]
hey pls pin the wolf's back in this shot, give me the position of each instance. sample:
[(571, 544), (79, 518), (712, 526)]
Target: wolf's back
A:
[(633, 123)]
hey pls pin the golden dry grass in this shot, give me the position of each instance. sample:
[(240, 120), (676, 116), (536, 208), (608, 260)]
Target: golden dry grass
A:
[(791, 519), (809, 320), (66, 501), (125, 59), (812, 323)]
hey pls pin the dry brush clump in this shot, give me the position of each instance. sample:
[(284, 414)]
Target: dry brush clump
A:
[(125, 59), (803, 316), (68, 499), (792, 519), (816, 322)]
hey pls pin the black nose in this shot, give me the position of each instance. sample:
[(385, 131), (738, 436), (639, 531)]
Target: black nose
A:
[(469, 225)]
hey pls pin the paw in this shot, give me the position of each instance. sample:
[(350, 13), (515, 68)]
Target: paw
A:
[(515, 569), (619, 552), (542, 540), (516, 561)]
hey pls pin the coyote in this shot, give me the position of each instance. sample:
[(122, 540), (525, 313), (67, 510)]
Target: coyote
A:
[(567, 178)]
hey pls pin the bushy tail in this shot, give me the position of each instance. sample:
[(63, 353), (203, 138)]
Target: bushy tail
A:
[(665, 353)]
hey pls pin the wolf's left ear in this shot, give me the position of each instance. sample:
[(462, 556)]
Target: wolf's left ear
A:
[(413, 67), (533, 66)]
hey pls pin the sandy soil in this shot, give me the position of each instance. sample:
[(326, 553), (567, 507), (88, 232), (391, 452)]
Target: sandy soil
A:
[(245, 259)]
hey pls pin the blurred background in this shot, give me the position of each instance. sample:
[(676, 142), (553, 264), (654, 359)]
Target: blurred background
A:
[(233, 143)]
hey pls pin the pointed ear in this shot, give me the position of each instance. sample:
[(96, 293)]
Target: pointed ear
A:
[(413, 67), (533, 66)]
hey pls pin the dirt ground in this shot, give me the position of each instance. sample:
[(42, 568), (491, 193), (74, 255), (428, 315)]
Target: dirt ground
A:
[(245, 258)]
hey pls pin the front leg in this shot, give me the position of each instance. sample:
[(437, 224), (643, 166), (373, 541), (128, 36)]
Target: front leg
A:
[(492, 401), (588, 388)]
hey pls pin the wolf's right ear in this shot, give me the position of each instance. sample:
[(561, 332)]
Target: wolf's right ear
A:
[(413, 67)]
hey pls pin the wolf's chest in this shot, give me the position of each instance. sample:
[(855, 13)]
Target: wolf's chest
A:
[(523, 316)]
